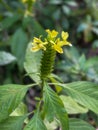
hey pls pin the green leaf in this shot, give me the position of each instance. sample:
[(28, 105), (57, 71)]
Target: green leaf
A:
[(35, 123), (95, 30), (20, 110), (82, 61), (53, 107), (85, 93), (51, 126), (6, 58), (12, 123), (71, 3), (32, 63), (9, 21), (18, 46), (72, 54), (95, 44), (56, 2), (91, 62), (82, 27), (10, 97), (66, 10), (37, 28), (77, 124), (71, 106)]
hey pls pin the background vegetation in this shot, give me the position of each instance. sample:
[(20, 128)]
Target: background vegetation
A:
[(21, 20)]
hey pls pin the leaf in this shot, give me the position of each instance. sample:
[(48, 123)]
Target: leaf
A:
[(18, 46), (74, 124), (6, 58), (95, 30), (77, 124), (82, 61), (9, 21), (66, 10), (51, 126), (56, 2), (37, 28), (71, 106), (91, 62), (12, 123), (55, 79), (53, 107), (95, 44), (95, 23), (82, 27), (85, 93), (71, 3), (10, 97), (32, 63), (72, 54), (20, 110), (35, 123)]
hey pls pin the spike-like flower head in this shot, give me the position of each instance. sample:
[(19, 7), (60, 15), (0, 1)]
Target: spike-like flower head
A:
[(50, 45)]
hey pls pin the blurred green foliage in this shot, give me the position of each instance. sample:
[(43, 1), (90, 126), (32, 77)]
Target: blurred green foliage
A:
[(21, 20)]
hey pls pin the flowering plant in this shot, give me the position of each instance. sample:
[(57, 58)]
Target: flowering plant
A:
[(57, 99)]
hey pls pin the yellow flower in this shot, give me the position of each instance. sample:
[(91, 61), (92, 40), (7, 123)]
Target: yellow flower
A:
[(58, 48), (52, 34), (64, 36), (58, 44), (38, 44)]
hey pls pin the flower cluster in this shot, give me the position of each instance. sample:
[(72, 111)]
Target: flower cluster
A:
[(53, 40)]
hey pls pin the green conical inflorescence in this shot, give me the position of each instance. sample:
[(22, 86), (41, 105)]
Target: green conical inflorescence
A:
[(47, 62), (49, 45)]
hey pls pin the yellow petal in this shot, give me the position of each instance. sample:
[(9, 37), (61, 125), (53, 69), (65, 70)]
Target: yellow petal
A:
[(36, 40), (44, 48), (64, 35), (41, 46), (67, 43), (52, 33), (44, 43), (34, 49), (48, 31), (62, 43), (58, 48), (51, 41)]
